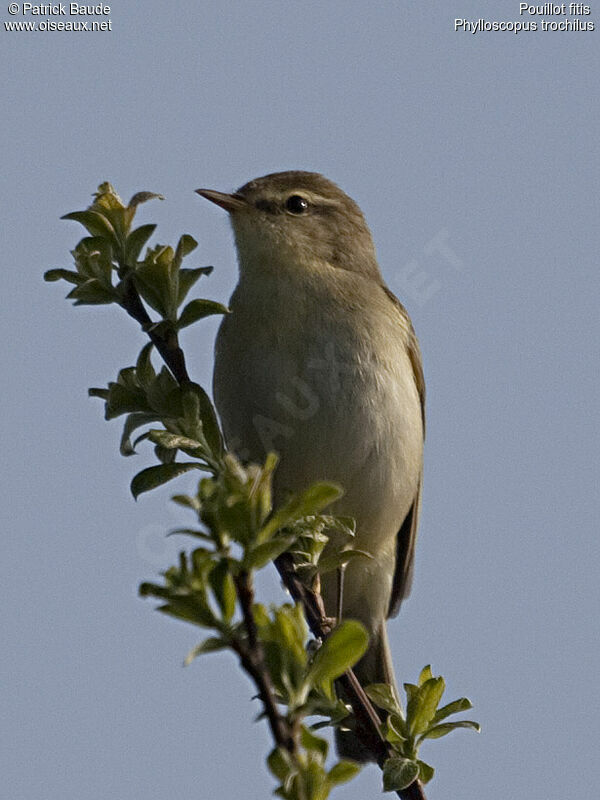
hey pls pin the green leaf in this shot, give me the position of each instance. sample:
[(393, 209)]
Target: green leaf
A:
[(198, 309), (185, 246), (202, 561), (463, 704), (208, 417), (97, 224), (135, 241), (164, 395), (396, 729), (123, 400), (382, 695), (280, 763), (426, 771), (91, 293), (144, 371), (412, 699), (309, 502), (152, 477), (336, 710), (261, 615), (143, 197), (197, 534), (311, 742), (399, 773), (134, 421), (425, 675), (430, 694), (210, 645), (315, 498), (173, 441), (93, 257), (97, 392), (262, 491), (147, 589), (223, 588), (340, 651), (283, 639), (190, 610), (260, 555), (106, 200), (153, 279), (186, 501), (65, 275), (163, 454), (437, 731), (187, 279), (311, 781), (342, 772)]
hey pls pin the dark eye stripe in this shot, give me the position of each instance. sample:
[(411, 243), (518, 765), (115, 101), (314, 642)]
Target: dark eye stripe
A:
[(267, 205)]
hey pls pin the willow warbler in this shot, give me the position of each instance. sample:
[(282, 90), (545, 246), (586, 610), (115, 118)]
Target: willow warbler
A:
[(319, 362)]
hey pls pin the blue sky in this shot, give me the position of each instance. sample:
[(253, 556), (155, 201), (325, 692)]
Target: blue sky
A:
[(475, 159)]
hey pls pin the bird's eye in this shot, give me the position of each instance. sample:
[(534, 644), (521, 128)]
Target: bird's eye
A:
[(296, 204)]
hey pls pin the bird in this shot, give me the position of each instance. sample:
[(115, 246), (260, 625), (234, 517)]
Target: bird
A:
[(319, 362)]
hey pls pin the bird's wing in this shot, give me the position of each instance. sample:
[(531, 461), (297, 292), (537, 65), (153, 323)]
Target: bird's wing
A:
[(405, 552), (407, 535)]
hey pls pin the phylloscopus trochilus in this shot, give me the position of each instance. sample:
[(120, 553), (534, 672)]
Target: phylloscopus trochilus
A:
[(319, 362)]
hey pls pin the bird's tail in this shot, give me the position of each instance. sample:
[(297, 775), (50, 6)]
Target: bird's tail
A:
[(374, 667)]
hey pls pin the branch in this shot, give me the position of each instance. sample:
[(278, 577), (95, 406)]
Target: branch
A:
[(165, 340), (252, 659)]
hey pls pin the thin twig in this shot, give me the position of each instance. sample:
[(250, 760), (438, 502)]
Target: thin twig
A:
[(167, 345), (252, 658)]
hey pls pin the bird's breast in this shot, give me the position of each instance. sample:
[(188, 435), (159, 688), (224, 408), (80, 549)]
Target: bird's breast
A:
[(328, 385)]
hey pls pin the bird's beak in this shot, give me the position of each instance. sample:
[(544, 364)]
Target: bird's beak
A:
[(230, 202)]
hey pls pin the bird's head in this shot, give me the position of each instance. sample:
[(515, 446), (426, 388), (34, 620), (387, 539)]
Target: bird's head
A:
[(299, 219)]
